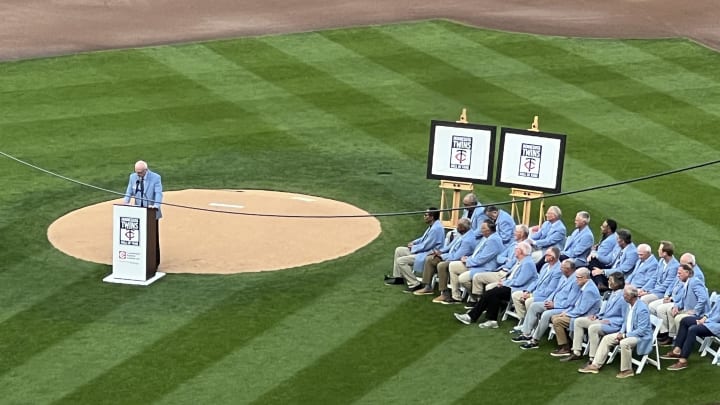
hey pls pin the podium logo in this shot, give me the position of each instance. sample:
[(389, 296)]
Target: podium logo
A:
[(460, 152), (530, 157), (129, 231)]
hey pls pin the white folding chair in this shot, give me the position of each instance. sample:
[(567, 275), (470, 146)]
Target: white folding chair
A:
[(707, 348), (510, 311), (656, 322)]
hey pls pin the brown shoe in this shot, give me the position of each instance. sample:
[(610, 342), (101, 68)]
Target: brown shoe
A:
[(561, 352), (625, 374), (589, 369), (670, 356), (571, 357), (439, 299), (424, 291), (679, 365)]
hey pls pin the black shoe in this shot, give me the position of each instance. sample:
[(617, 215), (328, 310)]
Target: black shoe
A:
[(410, 290), (395, 281), (387, 277), (530, 345)]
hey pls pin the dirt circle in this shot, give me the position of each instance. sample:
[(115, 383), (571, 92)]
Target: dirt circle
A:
[(223, 242)]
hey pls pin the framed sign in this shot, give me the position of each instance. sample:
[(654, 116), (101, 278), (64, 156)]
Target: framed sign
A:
[(461, 152), (531, 160)]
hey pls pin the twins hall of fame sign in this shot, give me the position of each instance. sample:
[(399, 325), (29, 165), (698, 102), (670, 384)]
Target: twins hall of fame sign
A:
[(530, 160), (461, 152)]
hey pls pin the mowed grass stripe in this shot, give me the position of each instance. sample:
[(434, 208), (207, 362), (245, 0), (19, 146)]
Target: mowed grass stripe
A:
[(204, 339), (137, 322), (613, 123), (641, 98), (299, 339), (628, 166), (324, 136), (335, 98), (52, 319), (469, 358), (374, 355)]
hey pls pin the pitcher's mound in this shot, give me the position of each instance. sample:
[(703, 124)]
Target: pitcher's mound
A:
[(194, 241)]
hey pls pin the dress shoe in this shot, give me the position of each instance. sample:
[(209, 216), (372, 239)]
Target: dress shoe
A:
[(571, 357), (625, 374), (395, 281)]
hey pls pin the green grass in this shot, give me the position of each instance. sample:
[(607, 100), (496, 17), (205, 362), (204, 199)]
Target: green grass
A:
[(324, 114)]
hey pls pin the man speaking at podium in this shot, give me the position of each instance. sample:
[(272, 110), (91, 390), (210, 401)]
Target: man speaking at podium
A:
[(146, 188)]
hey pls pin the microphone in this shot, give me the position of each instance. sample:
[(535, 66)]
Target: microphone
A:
[(142, 192)]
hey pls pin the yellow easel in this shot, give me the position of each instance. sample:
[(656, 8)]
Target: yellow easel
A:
[(523, 194), (456, 187)]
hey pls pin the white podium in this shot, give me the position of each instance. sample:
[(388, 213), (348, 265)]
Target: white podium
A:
[(135, 244)]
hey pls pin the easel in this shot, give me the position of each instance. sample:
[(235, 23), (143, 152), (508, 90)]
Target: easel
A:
[(456, 187), (527, 195)]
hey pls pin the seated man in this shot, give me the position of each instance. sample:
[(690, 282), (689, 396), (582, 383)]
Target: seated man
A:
[(691, 298), (604, 253), (636, 331), (552, 232), (579, 243), (689, 258), (482, 259), (690, 328), (645, 268), (439, 259), (625, 261), (506, 260), (474, 212), (543, 287), (538, 316), (587, 304), (665, 275), (608, 320), (520, 276), (505, 224), (406, 257)]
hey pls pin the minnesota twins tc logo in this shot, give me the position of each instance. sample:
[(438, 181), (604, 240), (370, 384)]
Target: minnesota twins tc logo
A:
[(460, 152), (130, 231), (530, 157)]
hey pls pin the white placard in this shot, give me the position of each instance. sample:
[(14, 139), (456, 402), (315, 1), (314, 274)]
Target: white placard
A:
[(531, 160), (129, 242), (461, 152)]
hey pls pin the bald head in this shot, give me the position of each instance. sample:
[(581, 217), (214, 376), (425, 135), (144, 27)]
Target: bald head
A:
[(141, 168)]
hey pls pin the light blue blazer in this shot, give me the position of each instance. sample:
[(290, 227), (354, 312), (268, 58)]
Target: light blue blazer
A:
[(641, 326), (149, 193), (608, 249), (694, 297), (550, 234), (547, 282), (522, 276), (433, 238), (644, 272), (613, 312), (462, 245), (664, 277), (578, 245), (628, 257), (505, 226), (713, 320), (483, 260)]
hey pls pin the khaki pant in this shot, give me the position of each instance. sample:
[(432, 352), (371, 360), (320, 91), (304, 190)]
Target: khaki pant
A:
[(520, 305), (594, 333), (626, 348), (434, 264), (481, 281), (459, 277), (561, 323), (403, 265)]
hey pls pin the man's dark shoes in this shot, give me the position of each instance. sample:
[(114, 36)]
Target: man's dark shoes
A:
[(395, 281), (411, 290)]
